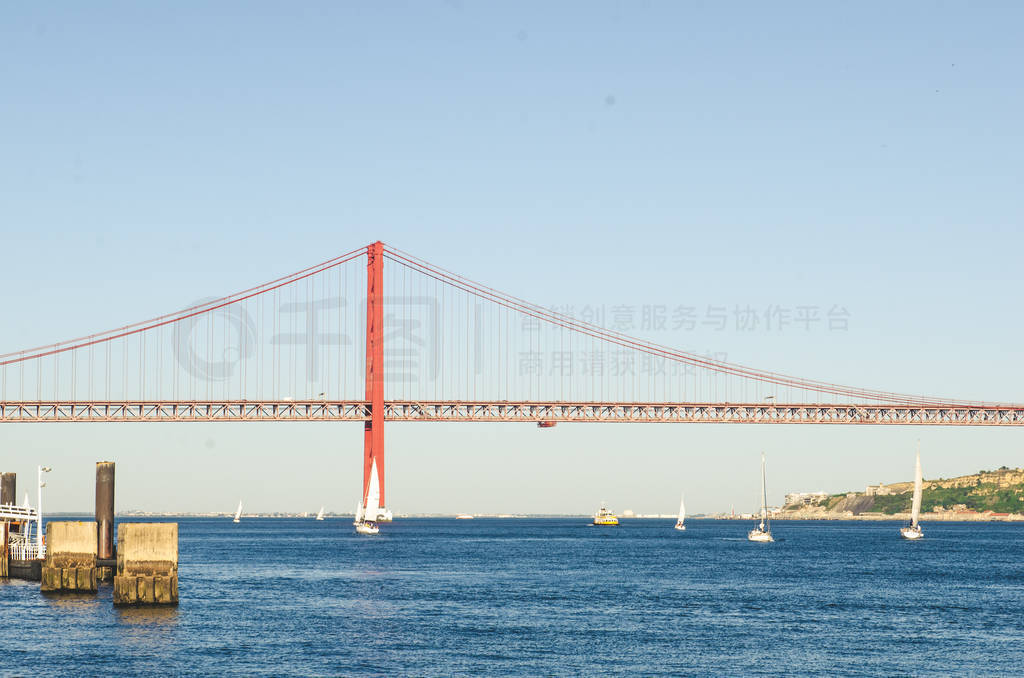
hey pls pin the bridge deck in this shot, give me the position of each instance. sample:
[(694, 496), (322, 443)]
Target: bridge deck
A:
[(522, 412)]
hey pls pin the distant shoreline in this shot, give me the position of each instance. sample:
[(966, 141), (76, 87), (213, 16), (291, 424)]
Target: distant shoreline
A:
[(863, 517)]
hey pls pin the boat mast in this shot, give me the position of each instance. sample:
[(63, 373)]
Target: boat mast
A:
[(915, 511), (764, 495)]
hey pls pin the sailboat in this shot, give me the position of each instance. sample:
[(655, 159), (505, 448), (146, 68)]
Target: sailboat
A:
[(367, 527), (914, 531), (682, 514), (763, 532), (366, 522), (238, 513), (364, 526), (320, 514)]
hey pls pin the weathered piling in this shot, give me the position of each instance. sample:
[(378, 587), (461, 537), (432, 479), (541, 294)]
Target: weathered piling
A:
[(147, 564), (8, 488), (70, 557), (105, 516), (8, 495), (4, 558)]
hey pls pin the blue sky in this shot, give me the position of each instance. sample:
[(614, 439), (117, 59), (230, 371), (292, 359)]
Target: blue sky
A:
[(866, 156)]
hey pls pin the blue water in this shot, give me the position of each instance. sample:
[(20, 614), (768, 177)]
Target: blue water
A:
[(547, 597)]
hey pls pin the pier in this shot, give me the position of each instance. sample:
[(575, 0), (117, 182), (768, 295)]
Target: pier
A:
[(79, 556), (20, 550), (70, 563), (147, 564)]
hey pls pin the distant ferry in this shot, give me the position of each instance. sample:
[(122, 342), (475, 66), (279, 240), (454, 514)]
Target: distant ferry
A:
[(605, 517), (463, 516)]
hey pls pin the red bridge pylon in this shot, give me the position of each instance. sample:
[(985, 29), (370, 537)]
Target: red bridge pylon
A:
[(373, 506)]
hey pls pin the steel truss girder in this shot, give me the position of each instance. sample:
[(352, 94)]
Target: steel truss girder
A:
[(143, 411), (522, 412), (728, 413)]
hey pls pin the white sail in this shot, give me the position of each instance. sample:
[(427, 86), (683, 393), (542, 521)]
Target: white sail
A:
[(763, 532), (915, 512), (359, 513), (374, 492), (913, 531), (681, 519), (320, 515), (238, 513)]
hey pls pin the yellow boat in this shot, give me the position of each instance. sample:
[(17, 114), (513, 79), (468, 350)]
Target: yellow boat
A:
[(605, 517)]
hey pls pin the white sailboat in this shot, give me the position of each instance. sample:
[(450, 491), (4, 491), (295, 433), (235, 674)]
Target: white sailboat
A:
[(763, 532), (681, 519), (367, 513), (914, 531), (238, 513), (320, 514), (367, 527), (362, 525)]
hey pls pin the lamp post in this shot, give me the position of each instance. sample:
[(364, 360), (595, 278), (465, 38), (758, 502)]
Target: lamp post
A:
[(39, 514)]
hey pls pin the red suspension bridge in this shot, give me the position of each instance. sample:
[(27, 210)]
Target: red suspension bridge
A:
[(414, 342)]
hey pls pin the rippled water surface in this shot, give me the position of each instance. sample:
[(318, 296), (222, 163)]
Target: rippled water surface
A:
[(547, 597)]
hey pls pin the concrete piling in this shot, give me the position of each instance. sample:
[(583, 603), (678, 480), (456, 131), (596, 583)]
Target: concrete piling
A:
[(70, 557), (147, 564), (105, 516)]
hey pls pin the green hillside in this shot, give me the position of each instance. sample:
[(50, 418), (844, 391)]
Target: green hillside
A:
[(981, 497)]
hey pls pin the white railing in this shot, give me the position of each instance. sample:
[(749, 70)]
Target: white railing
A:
[(21, 548), (13, 512)]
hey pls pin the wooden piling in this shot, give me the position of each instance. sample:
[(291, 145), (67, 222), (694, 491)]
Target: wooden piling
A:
[(8, 495), (70, 557), (147, 564), (8, 488), (4, 557)]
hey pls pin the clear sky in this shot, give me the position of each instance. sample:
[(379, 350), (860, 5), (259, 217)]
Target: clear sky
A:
[(866, 156)]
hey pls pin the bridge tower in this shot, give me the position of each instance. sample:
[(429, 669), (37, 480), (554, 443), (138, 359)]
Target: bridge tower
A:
[(374, 507)]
